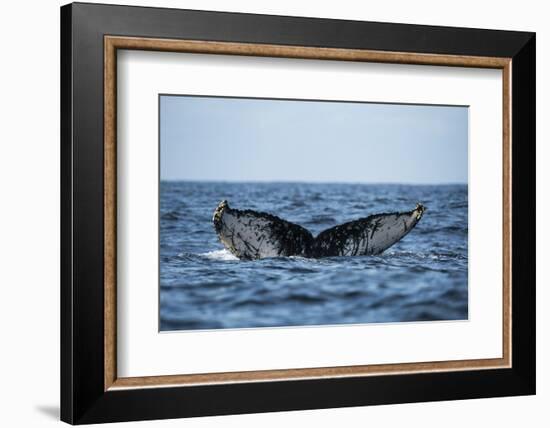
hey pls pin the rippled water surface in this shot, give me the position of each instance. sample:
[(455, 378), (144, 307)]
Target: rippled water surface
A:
[(424, 277)]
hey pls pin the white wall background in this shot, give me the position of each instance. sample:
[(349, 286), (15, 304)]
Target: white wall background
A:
[(29, 213)]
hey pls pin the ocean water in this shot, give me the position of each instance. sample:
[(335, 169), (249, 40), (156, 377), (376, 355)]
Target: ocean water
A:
[(424, 277)]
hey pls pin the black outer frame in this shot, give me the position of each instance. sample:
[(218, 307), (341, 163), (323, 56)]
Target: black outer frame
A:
[(83, 399)]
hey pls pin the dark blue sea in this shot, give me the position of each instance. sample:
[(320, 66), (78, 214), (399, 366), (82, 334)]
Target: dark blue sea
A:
[(424, 277)]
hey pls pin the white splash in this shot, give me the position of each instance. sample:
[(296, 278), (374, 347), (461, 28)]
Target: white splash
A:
[(219, 255)]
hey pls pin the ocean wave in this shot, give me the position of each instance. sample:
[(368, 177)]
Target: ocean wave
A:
[(170, 215), (223, 255), (436, 256)]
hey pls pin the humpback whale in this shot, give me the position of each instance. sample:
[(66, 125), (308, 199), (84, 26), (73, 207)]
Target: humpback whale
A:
[(251, 235)]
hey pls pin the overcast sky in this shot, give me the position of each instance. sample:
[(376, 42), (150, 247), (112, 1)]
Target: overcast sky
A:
[(236, 139)]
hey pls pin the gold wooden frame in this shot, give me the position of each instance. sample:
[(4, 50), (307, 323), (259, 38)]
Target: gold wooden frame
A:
[(112, 43)]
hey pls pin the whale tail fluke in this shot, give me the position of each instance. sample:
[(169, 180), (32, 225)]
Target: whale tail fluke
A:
[(252, 235)]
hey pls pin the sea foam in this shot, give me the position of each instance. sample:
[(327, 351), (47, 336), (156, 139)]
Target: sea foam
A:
[(219, 255)]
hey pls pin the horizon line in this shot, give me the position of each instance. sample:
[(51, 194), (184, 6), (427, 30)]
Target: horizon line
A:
[(399, 183)]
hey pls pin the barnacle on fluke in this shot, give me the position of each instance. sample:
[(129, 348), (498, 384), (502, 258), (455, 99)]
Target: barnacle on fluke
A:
[(255, 235)]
